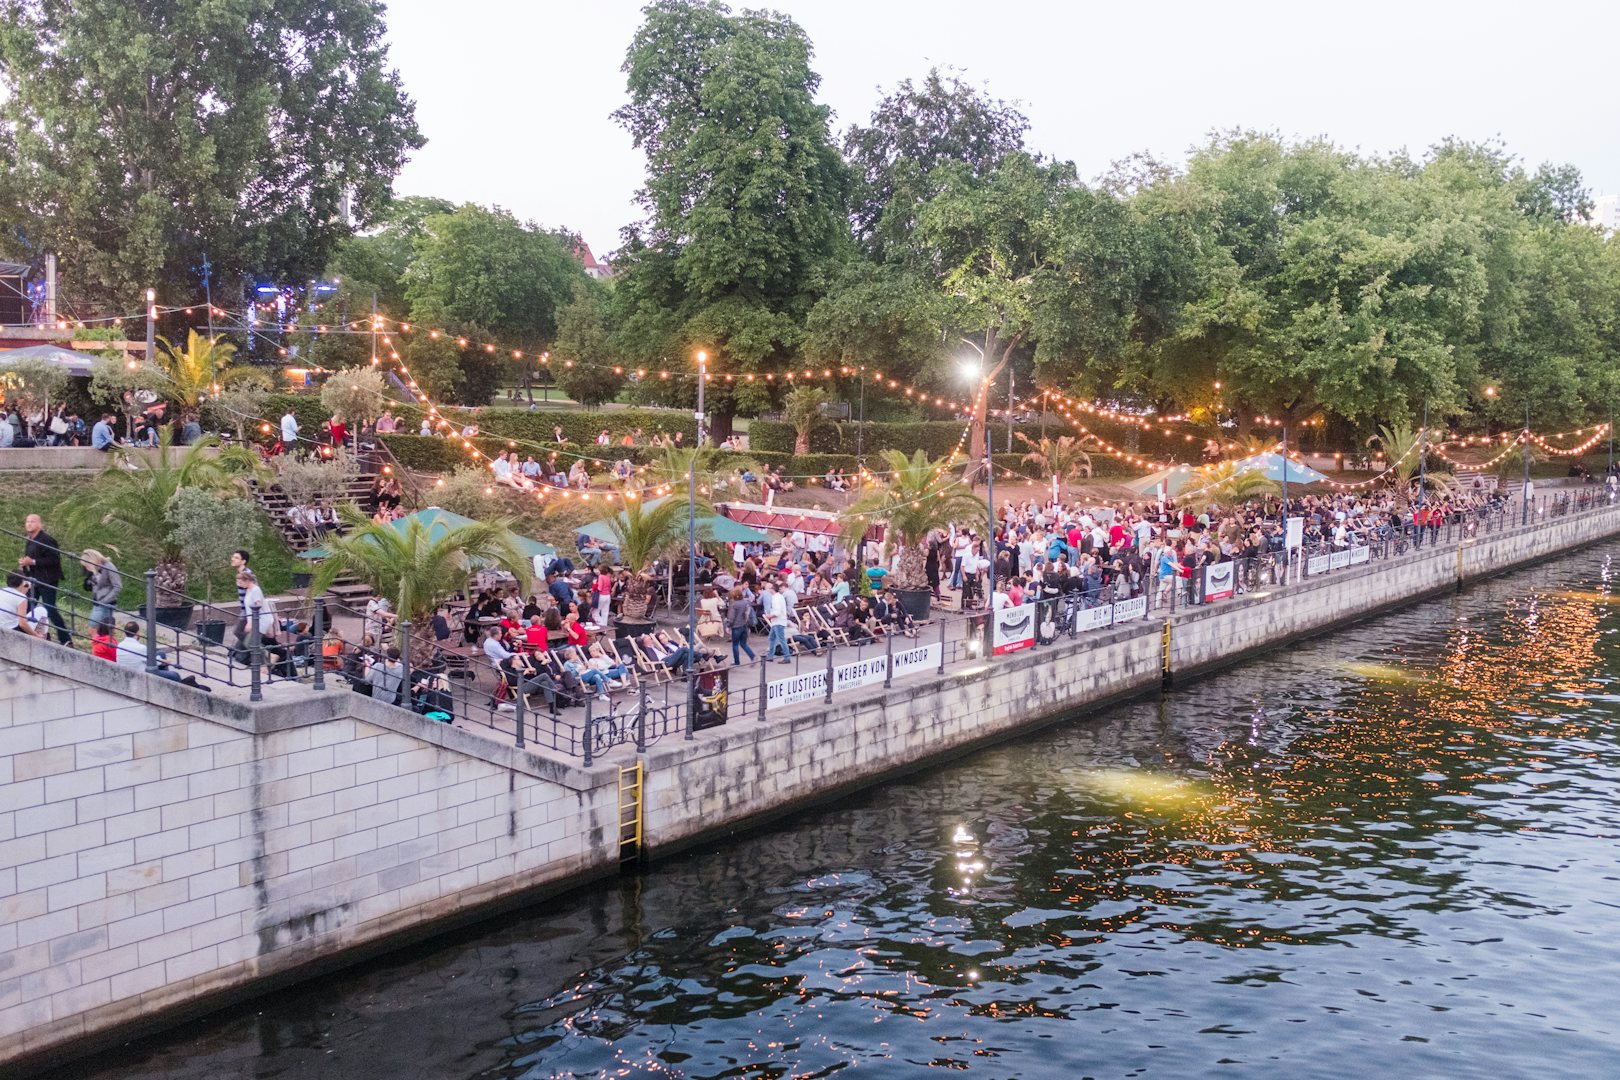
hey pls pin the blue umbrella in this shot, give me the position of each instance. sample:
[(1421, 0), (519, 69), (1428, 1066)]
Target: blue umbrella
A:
[(1279, 469)]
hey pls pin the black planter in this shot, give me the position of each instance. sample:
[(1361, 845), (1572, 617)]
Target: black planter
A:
[(175, 618), (301, 581), (916, 602), (629, 628), (212, 631)]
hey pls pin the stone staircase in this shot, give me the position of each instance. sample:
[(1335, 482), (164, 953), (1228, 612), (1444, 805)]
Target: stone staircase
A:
[(347, 591)]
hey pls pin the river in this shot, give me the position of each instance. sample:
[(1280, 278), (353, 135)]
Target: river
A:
[(1391, 851)]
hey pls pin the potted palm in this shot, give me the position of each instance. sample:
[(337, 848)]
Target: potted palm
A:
[(921, 495), (1062, 458), (415, 565)]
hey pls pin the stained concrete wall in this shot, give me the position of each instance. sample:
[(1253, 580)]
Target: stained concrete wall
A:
[(159, 847)]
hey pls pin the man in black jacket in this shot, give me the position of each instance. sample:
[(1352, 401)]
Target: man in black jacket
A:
[(42, 562)]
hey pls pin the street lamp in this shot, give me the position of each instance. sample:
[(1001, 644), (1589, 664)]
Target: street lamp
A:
[(1524, 518), (691, 547)]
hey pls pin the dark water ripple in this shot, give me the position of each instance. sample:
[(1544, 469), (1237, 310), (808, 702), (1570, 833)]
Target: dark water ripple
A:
[(1391, 851)]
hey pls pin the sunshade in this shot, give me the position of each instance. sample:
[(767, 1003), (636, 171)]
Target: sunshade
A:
[(75, 363), (1277, 468), (1178, 478), (709, 527), (438, 522)]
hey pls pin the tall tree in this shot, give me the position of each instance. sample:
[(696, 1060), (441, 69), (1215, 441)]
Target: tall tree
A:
[(745, 193), (582, 360), (145, 136), (914, 131)]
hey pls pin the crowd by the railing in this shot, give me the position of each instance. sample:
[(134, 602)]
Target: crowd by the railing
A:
[(580, 689)]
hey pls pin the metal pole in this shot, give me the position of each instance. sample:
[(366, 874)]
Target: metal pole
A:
[(942, 644), (1524, 495), (151, 319), (829, 674), (641, 717), (1285, 483), (860, 430), (1009, 406), (762, 692), (1045, 395), (151, 620), (990, 546), (691, 544), (585, 734), (319, 634), (1423, 457), (517, 706), (208, 295), (255, 657), (888, 662)]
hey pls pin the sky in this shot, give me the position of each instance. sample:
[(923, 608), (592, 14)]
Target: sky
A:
[(515, 96)]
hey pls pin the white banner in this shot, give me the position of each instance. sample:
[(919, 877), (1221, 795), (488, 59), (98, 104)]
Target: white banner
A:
[(1316, 564), (813, 684), (1134, 608), (1295, 537), (1339, 560), (1220, 580), (1014, 629), (1095, 618), (1360, 554)]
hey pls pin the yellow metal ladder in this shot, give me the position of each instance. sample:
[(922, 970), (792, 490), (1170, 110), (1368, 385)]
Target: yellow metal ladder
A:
[(631, 799), (1164, 653)]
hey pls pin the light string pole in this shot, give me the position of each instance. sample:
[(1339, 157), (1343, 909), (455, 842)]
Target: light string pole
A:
[(1423, 458), (691, 546), (990, 542), (1524, 517)]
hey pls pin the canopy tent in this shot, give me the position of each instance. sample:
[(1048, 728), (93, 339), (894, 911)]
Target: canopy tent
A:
[(709, 527), (75, 363), (1177, 479), (792, 519), (437, 522), (1277, 468)]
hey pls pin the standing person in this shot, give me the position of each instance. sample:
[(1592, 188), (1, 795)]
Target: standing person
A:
[(776, 617), (602, 590), (103, 582), (42, 562), (739, 616), (289, 430)]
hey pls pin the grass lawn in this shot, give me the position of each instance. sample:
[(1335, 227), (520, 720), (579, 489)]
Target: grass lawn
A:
[(49, 494)]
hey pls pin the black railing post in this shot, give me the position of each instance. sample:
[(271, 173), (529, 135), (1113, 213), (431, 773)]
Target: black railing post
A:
[(517, 704), (318, 632), (255, 657), (942, 644), (761, 709), (641, 717), (586, 737), (829, 676), (151, 621), (888, 661)]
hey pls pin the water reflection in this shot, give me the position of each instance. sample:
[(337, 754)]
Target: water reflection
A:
[(1392, 847)]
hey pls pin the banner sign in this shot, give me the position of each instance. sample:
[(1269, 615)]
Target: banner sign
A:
[(811, 685), (1014, 629), (1360, 554), (1134, 608), (1339, 560), (1095, 618), (1316, 564), (1220, 580)]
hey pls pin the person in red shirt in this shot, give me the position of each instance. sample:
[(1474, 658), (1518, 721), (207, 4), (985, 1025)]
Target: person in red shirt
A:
[(576, 632), (535, 634), (337, 430), (102, 645)]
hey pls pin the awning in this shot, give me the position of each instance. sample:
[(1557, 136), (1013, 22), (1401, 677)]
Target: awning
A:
[(809, 522)]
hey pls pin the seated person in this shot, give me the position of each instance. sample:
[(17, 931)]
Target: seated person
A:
[(131, 653), (534, 635)]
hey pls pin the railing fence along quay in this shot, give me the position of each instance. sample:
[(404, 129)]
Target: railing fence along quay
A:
[(652, 702)]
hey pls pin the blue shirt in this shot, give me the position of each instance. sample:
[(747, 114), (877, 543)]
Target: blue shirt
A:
[(101, 436)]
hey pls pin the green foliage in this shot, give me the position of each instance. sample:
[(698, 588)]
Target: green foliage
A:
[(803, 409), (310, 481), (583, 358), (355, 394), (32, 384), (1223, 483), (915, 496), (1062, 457), (209, 524), (243, 397), (195, 370), (646, 531), (145, 136), (411, 568)]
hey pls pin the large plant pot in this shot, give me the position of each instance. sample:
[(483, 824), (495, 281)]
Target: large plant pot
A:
[(175, 618), (916, 602), (630, 628), (211, 631)]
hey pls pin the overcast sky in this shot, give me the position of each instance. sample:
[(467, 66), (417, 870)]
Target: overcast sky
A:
[(514, 96)]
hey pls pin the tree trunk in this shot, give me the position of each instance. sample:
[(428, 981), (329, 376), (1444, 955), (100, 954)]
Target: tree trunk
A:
[(801, 442)]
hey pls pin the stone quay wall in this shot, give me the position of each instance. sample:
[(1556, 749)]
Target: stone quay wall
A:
[(163, 851)]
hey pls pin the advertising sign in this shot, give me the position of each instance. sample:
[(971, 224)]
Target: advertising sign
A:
[(1316, 564), (1294, 539), (1095, 618), (812, 685), (1134, 608), (1360, 554), (1339, 560), (1220, 580), (1014, 629)]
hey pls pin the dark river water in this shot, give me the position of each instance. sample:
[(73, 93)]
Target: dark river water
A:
[(1387, 853)]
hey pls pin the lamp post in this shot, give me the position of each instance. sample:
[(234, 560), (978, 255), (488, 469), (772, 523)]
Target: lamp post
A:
[(1009, 406), (860, 431), (691, 543), (1423, 457), (990, 544), (1285, 478), (151, 319), (1524, 517)]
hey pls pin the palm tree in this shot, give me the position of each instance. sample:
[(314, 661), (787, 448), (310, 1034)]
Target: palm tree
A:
[(802, 409), (1062, 457), (1403, 451), (717, 470), (194, 371), (648, 530), (137, 495), (1228, 486), (919, 496), (413, 568)]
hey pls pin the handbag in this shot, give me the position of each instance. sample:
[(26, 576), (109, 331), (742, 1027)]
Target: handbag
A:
[(58, 426)]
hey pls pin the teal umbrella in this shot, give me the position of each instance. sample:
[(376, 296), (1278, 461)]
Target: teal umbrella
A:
[(1178, 477), (438, 522), (1277, 468), (709, 527)]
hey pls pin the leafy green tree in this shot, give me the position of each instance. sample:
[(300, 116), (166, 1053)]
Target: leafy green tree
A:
[(481, 273), (355, 394), (195, 370), (744, 199), (33, 384), (142, 137), (240, 401), (914, 131), (1063, 457), (804, 408), (582, 359)]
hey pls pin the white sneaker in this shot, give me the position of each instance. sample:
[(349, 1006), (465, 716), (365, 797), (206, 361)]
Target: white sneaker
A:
[(601, 697)]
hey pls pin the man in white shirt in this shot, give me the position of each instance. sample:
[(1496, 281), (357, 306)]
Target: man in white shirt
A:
[(289, 429), (776, 617), (494, 649), (14, 604)]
